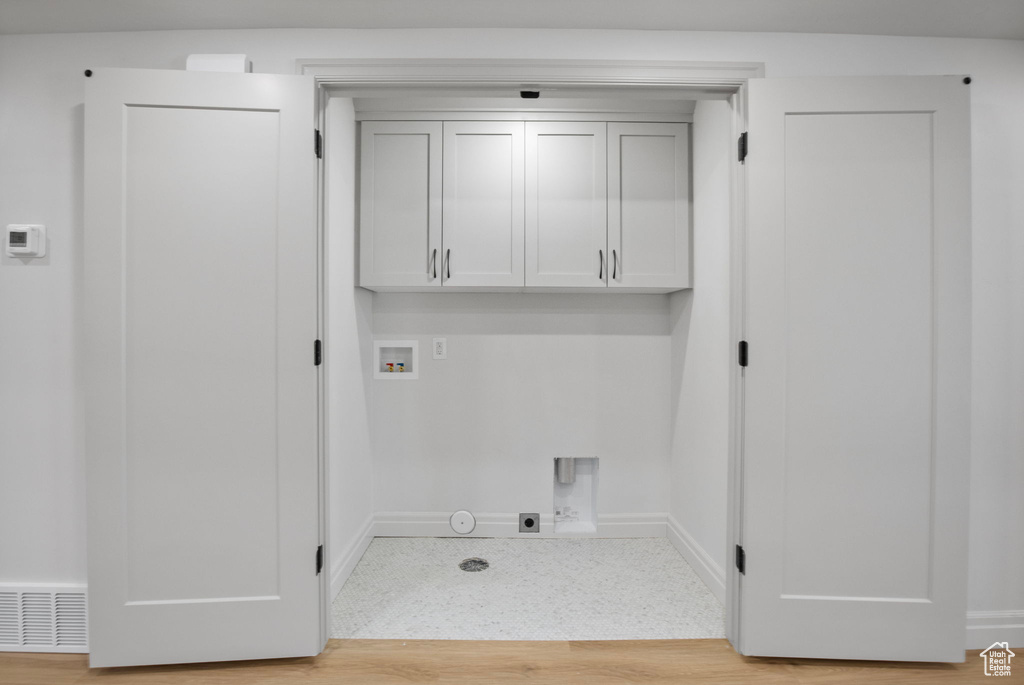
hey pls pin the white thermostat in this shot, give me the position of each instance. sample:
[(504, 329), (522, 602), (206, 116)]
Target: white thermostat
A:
[(26, 240)]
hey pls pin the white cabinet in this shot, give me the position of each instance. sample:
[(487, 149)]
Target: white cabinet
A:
[(480, 205), (482, 208), (648, 205), (566, 204), (400, 204)]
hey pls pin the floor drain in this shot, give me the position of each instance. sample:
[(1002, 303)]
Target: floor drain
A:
[(474, 564)]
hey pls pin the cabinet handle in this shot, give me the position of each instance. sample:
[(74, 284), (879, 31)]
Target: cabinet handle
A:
[(433, 262), (448, 262), (615, 264), (600, 273)]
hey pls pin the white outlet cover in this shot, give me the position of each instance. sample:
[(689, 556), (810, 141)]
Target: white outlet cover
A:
[(440, 348), (462, 522)]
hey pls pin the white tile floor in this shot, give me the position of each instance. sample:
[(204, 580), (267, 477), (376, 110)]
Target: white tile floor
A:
[(544, 589)]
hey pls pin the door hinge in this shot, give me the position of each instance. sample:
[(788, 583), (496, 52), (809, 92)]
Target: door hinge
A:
[(319, 559), (741, 560), (742, 353), (317, 356), (318, 144), (743, 147)]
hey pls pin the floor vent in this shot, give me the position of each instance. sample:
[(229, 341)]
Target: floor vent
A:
[(41, 618)]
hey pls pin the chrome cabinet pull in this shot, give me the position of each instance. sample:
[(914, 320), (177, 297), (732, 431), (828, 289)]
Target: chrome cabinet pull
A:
[(600, 273)]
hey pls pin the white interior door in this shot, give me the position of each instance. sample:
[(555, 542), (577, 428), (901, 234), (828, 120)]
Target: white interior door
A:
[(482, 210), (201, 316), (566, 204), (857, 393)]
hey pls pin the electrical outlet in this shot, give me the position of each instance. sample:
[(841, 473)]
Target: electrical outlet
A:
[(529, 523), (440, 348)]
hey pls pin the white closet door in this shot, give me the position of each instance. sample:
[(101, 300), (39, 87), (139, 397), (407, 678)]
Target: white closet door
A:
[(649, 205), (482, 230), (400, 205), (566, 204), (201, 390), (857, 415)]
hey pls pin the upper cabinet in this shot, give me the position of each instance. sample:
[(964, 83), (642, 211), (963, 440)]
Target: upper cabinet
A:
[(499, 205), (566, 204), (400, 204), (482, 211), (648, 205)]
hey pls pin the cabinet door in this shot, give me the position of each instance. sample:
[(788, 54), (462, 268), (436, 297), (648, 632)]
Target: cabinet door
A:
[(649, 205), (400, 204), (483, 203), (566, 204)]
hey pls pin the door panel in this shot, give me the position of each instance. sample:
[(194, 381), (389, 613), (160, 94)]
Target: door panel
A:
[(566, 204), (856, 426), (482, 231), (201, 424)]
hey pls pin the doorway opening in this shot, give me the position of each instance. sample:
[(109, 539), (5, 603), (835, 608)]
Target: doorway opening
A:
[(352, 92)]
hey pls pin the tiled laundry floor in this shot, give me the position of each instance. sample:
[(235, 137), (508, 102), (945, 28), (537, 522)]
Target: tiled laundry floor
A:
[(543, 589)]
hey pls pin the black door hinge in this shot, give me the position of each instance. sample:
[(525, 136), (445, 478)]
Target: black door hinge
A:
[(741, 560), (317, 356), (743, 147), (742, 353), (318, 144), (319, 559)]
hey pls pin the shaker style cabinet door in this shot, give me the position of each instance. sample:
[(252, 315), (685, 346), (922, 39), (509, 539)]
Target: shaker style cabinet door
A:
[(483, 204), (566, 204), (400, 204), (649, 205)]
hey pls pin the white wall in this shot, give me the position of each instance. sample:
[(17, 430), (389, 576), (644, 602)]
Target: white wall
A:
[(41, 481), (527, 379), (702, 356), (347, 352)]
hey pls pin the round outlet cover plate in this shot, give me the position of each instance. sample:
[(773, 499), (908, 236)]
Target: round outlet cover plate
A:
[(462, 522)]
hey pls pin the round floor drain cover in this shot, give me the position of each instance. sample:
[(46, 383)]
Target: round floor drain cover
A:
[(474, 564)]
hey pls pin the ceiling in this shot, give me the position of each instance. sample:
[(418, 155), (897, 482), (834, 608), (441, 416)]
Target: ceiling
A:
[(949, 18)]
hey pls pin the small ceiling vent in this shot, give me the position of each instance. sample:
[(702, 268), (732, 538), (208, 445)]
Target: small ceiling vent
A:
[(43, 618)]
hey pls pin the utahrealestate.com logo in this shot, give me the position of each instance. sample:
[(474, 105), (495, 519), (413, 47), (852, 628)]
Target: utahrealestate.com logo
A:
[(997, 659)]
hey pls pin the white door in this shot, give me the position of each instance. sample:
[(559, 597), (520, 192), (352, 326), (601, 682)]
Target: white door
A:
[(857, 393), (482, 226), (566, 204), (649, 205), (201, 390), (400, 204)]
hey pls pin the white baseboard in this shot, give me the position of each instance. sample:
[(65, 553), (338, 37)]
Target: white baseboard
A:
[(341, 567), (709, 571), (987, 627), (490, 525)]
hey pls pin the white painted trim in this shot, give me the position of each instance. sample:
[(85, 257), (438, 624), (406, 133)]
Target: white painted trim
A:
[(987, 627), (516, 115), (699, 560), (342, 566), (698, 79), (506, 525)]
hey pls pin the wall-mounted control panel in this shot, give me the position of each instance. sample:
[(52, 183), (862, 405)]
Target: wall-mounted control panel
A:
[(25, 240)]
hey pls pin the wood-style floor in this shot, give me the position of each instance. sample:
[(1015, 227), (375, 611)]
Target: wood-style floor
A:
[(481, 663)]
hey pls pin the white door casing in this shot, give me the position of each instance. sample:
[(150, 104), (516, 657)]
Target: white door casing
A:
[(857, 393), (201, 284)]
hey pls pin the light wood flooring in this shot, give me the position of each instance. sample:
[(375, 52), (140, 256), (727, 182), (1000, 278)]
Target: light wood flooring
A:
[(485, 662)]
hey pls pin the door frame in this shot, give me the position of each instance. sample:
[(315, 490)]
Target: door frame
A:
[(691, 80)]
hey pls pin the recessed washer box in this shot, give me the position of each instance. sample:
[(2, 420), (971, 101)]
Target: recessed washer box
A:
[(396, 360)]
